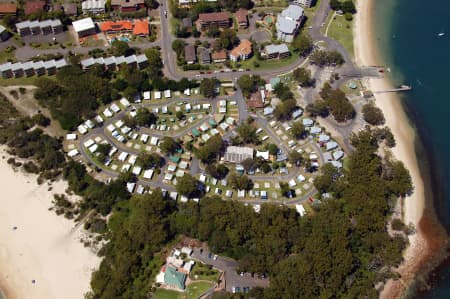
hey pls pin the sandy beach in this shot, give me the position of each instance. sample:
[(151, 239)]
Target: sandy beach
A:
[(44, 247), (414, 205)]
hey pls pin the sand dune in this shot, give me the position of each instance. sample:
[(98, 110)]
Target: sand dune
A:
[(44, 247)]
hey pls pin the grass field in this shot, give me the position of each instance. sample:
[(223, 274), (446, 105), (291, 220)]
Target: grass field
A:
[(342, 31), (19, 81), (203, 272), (193, 291)]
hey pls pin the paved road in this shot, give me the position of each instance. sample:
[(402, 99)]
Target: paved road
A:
[(229, 266)]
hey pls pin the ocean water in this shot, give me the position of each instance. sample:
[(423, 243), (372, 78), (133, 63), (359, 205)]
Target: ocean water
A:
[(408, 36)]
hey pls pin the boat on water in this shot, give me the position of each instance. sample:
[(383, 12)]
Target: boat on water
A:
[(441, 34)]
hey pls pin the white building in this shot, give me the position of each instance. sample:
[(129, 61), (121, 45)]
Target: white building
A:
[(84, 27), (304, 3), (288, 23), (93, 6)]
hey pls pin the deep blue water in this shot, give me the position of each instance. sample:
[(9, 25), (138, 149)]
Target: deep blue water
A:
[(407, 33)]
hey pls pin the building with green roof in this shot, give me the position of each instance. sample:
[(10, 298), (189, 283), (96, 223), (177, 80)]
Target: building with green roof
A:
[(195, 132), (174, 278)]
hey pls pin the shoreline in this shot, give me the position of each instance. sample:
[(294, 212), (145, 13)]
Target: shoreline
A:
[(36, 243), (425, 244)]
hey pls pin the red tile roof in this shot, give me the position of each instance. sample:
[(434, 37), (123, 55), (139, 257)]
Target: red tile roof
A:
[(32, 7), (244, 48), (255, 100), (213, 17), (116, 26), (8, 8), (241, 16), (219, 55), (141, 27)]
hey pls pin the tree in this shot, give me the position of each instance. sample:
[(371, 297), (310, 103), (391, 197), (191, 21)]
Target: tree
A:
[(121, 48), (228, 39), (326, 58), (239, 182), (154, 63), (187, 185), (180, 115), (283, 111), (283, 92), (247, 133), (303, 77), (103, 150), (303, 44), (218, 171), (208, 87), (145, 118), (372, 114), (337, 103), (295, 158), (209, 151), (152, 4), (273, 149), (335, 5), (348, 7), (150, 160), (178, 47), (318, 108), (169, 145), (249, 84), (298, 130)]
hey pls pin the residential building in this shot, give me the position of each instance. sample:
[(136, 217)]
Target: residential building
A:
[(84, 27), (39, 27), (243, 51), (93, 6), (112, 62), (70, 9), (187, 24), (30, 68), (127, 5), (242, 18), (288, 22), (276, 51), (8, 9), (31, 7), (4, 34), (237, 154), (219, 19), (256, 99), (205, 56), (304, 3), (110, 27), (219, 57), (189, 54), (141, 28), (174, 279)]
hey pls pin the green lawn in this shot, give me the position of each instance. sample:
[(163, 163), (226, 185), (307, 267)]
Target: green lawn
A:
[(342, 31), (19, 81), (193, 291), (166, 294), (267, 64), (203, 272)]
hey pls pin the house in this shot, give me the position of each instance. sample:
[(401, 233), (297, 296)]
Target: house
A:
[(127, 5), (304, 3), (187, 24), (84, 27), (242, 18), (205, 56), (219, 19), (288, 23), (189, 54), (28, 68), (276, 51), (111, 27), (8, 9), (39, 68), (237, 154), (32, 7), (50, 67), (256, 100), (5, 70), (70, 9), (174, 279), (141, 28), (219, 57), (141, 61), (243, 51), (93, 6), (4, 34)]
